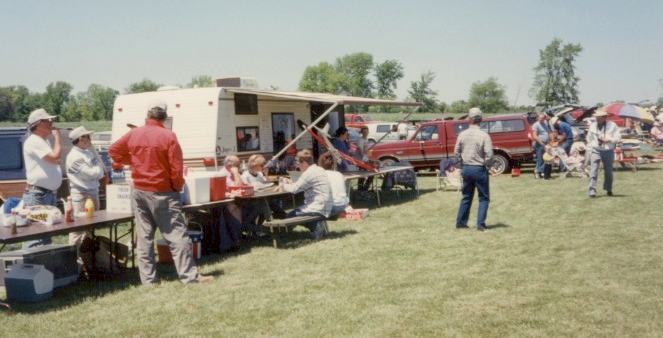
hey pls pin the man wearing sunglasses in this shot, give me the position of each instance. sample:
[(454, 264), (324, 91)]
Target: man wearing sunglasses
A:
[(42, 164)]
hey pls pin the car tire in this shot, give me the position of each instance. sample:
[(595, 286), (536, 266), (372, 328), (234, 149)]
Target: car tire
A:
[(388, 161), (500, 164)]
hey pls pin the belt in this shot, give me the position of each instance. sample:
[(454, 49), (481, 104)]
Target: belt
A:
[(36, 187)]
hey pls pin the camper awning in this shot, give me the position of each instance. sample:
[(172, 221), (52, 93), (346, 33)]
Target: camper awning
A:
[(322, 97)]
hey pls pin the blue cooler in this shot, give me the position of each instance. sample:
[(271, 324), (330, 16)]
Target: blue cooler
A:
[(28, 283)]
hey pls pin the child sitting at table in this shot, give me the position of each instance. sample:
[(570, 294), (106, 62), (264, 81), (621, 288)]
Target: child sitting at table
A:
[(257, 211)]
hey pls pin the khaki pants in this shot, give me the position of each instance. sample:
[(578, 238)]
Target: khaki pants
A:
[(162, 210), (78, 198)]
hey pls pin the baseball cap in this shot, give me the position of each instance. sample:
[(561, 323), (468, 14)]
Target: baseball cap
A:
[(38, 115), (474, 112), (554, 120), (159, 104), (78, 132)]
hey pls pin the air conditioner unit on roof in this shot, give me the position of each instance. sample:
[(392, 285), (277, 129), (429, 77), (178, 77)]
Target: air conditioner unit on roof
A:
[(237, 82)]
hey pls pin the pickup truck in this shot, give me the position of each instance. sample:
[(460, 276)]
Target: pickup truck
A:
[(435, 140), (356, 120)]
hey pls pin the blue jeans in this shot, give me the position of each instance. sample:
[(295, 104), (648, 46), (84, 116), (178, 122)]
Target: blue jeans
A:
[(595, 158), (538, 151), (317, 229), (32, 197), (474, 177)]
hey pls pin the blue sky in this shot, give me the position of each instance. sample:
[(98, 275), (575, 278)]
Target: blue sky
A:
[(114, 43)]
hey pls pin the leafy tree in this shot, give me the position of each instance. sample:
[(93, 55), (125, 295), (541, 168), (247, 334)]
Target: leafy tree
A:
[(73, 110), (354, 70), (96, 103), (489, 96), (555, 81), (387, 74), (201, 81), (145, 85), (56, 96), (6, 105), (459, 107), (420, 91), (322, 78)]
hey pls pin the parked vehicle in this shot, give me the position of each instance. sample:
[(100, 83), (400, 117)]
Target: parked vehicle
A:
[(386, 131), (356, 120), (101, 140), (436, 139), (12, 166)]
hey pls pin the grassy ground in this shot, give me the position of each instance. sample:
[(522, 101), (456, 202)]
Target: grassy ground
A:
[(553, 263)]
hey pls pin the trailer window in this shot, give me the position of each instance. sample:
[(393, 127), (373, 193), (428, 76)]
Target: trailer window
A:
[(248, 139), (12, 157), (246, 104)]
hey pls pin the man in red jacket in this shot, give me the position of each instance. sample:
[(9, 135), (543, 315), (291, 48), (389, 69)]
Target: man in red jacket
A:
[(156, 160)]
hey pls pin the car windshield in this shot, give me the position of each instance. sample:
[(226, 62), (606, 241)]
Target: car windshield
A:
[(427, 133)]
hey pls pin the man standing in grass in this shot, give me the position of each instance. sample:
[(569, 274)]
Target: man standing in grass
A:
[(602, 137), (474, 148), (156, 158)]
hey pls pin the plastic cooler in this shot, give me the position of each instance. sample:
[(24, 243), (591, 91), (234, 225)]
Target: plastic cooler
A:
[(29, 283), (217, 190)]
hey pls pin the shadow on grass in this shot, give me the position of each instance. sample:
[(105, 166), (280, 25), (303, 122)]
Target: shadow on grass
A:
[(496, 226), (298, 239), (389, 198)]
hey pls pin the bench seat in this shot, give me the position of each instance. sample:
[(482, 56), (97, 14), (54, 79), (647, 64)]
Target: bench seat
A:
[(276, 225)]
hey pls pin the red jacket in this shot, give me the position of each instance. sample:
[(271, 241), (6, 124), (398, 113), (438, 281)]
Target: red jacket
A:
[(155, 157)]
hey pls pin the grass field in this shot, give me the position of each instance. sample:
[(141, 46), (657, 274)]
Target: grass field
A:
[(553, 263)]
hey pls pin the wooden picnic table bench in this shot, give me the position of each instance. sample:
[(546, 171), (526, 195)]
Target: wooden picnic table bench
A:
[(276, 225)]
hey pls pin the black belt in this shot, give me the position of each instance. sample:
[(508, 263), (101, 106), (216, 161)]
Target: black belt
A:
[(36, 187)]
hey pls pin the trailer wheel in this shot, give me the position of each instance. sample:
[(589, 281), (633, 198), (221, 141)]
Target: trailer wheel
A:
[(500, 163)]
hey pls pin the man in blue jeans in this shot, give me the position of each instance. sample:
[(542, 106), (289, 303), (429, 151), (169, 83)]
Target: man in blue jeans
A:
[(42, 165), (540, 134), (475, 150)]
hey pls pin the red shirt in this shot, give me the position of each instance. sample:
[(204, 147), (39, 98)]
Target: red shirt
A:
[(155, 157)]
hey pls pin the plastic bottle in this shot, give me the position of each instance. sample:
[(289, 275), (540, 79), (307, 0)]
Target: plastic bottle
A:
[(89, 208), (69, 210)]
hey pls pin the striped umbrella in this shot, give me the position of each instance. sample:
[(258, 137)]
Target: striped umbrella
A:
[(626, 110)]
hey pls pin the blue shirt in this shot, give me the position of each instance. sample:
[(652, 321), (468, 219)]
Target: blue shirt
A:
[(343, 147), (541, 130), (565, 128)]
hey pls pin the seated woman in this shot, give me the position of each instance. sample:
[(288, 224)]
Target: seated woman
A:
[(317, 192), (336, 183), (231, 220)]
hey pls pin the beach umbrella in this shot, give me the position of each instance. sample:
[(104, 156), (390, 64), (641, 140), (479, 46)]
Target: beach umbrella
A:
[(626, 110)]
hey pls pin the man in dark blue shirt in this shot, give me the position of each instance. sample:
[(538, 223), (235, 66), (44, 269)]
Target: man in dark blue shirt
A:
[(340, 142), (565, 134)]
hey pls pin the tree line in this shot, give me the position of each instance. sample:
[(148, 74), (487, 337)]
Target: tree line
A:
[(358, 74), (93, 104)]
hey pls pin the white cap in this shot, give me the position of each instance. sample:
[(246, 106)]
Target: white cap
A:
[(78, 132), (161, 104), (554, 120), (474, 112), (38, 115), (600, 112)]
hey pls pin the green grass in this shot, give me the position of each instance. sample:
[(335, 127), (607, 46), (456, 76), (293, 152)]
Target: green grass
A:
[(93, 125), (553, 263)]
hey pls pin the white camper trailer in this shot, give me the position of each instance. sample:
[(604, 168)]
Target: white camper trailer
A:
[(217, 121)]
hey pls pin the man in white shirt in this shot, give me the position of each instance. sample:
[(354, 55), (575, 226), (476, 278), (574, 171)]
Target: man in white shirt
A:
[(84, 170), (42, 164), (317, 192), (402, 130), (602, 137)]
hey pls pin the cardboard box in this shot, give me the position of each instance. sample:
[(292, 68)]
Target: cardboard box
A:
[(118, 198), (356, 214)]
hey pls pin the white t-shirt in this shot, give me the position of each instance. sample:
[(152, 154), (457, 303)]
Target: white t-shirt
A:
[(402, 130), (84, 169), (337, 185), (38, 171)]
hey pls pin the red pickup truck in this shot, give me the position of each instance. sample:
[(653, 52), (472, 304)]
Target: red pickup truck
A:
[(436, 139)]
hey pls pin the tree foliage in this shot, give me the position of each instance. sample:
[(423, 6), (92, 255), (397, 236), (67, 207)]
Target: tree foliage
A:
[(145, 85), (421, 91), (489, 96), (56, 97), (201, 81), (459, 107), (555, 81), (96, 103), (354, 70), (322, 78), (387, 75)]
